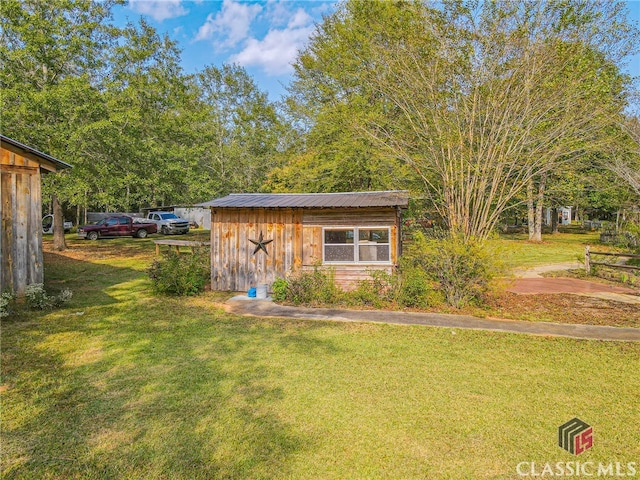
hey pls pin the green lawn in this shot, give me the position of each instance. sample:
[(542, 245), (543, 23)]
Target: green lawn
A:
[(558, 248), (123, 384)]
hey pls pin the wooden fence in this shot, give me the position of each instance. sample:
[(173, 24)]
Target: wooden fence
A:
[(588, 262)]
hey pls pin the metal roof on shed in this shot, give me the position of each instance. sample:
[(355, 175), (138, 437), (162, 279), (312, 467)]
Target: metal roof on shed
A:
[(392, 198), (27, 149)]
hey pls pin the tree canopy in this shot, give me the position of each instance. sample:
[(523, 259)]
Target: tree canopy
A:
[(478, 98), (116, 104)]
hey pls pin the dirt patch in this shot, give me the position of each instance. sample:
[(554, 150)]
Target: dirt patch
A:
[(564, 308)]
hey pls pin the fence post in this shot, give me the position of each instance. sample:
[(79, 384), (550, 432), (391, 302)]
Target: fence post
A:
[(587, 260)]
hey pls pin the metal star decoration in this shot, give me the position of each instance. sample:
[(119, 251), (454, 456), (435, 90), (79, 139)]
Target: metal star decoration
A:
[(261, 244)]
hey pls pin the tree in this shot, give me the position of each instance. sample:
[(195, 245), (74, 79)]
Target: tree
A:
[(52, 54), (243, 137), (59, 242), (626, 164), (478, 99)]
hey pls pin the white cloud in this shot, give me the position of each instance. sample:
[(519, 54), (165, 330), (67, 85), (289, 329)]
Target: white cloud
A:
[(277, 12), (232, 23), (300, 19), (159, 10), (279, 48)]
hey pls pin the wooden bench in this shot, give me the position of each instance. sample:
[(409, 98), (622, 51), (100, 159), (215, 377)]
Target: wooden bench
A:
[(178, 244)]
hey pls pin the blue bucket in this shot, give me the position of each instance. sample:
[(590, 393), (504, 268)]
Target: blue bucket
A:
[(252, 292)]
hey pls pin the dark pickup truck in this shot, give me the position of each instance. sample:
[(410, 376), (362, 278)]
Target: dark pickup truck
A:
[(116, 226)]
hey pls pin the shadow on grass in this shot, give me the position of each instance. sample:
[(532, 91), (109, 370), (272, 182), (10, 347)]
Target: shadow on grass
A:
[(142, 387)]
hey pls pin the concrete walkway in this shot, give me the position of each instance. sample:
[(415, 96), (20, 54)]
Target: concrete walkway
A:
[(243, 305), (536, 272)]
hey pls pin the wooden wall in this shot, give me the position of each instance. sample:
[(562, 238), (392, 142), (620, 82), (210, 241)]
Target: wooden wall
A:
[(297, 243), (347, 276), (234, 266), (20, 210)]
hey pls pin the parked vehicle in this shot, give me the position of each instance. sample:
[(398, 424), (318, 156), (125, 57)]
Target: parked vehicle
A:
[(47, 225), (117, 226), (168, 222)]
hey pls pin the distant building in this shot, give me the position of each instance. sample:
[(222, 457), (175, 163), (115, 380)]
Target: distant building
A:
[(564, 215)]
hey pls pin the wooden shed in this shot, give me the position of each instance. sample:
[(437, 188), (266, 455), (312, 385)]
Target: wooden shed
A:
[(256, 238), (21, 168)]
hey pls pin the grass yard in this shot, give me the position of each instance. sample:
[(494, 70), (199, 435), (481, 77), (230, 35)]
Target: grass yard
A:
[(123, 384), (556, 248)]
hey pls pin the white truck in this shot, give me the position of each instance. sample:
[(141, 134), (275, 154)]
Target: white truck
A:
[(47, 225), (168, 222)]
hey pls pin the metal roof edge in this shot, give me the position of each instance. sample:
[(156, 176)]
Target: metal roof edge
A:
[(33, 151)]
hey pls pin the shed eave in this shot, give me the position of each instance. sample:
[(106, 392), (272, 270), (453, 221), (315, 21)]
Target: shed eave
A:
[(47, 162)]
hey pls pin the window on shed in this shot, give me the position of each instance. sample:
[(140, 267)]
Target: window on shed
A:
[(373, 245), (339, 245), (357, 245)]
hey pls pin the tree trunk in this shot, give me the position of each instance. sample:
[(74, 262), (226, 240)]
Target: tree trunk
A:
[(554, 220), (530, 208), (59, 242), (535, 209)]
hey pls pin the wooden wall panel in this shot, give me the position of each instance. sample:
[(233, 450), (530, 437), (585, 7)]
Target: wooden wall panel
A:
[(311, 245), (348, 276), (21, 237), (350, 217), (35, 273), (234, 265), (6, 234)]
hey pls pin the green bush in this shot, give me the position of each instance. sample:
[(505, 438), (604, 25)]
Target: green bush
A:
[(463, 269), (279, 290), (415, 288), (185, 274), (377, 292), (5, 302), (38, 299), (313, 287)]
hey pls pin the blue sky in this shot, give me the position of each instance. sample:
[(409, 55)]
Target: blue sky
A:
[(263, 36)]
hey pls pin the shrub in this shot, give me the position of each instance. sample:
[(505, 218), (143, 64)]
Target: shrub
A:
[(463, 269), (315, 287), (279, 290), (185, 274), (415, 288), (377, 292), (38, 299), (5, 301)]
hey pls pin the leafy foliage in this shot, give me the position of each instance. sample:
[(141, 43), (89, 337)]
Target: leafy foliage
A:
[(311, 287), (115, 103), (5, 302), (181, 274), (38, 298), (463, 268), (279, 290), (473, 97)]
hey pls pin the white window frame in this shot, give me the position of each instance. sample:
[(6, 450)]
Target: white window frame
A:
[(356, 245)]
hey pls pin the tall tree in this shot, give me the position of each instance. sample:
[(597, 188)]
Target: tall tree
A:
[(478, 98), (52, 53), (244, 136)]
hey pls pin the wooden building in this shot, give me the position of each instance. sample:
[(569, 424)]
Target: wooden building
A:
[(21, 168), (256, 238)]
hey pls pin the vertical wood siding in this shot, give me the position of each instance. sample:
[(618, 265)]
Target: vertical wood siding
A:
[(297, 243), (20, 209), (234, 266)]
